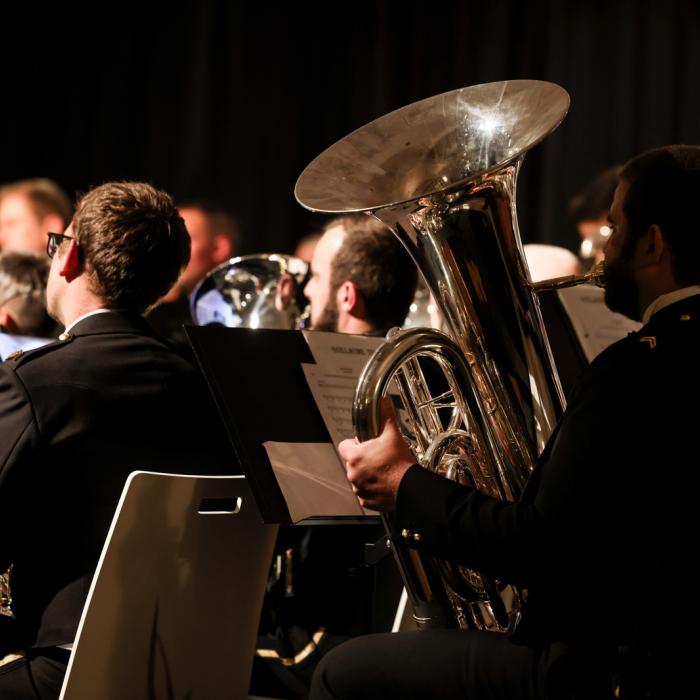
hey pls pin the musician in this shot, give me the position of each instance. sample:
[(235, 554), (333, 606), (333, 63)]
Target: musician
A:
[(362, 281), (589, 211), (77, 416), (214, 238), (603, 525), (23, 295), (29, 209)]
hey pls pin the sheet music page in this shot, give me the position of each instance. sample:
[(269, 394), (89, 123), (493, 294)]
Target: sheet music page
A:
[(312, 480), (340, 359), (596, 326), (341, 353), (333, 393)]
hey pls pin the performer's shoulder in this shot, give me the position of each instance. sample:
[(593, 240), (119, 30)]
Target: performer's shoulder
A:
[(21, 358)]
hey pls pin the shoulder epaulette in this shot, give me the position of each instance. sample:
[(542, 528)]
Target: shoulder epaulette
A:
[(19, 357)]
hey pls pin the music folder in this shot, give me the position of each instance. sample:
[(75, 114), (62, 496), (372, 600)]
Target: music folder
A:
[(264, 382)]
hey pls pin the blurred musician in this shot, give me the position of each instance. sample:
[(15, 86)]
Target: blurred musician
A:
[(589, 211), (77, 416), (599, 526), (214, 238), (29, 209), (362, 281), (23, 295)]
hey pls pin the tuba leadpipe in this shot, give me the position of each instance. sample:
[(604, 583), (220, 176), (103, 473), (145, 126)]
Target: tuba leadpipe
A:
[(595, 276), (441, 174)]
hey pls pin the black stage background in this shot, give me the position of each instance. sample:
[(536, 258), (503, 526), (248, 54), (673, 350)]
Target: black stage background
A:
[(232, 101)]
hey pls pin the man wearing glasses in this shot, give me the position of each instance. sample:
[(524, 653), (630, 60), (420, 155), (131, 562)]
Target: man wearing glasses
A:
[(78, 415)]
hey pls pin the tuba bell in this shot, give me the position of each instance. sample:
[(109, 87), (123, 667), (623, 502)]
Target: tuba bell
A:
[(253, 291), (441, 173)]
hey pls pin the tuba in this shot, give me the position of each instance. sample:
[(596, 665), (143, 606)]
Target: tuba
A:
[(441, 174), (253, 291)]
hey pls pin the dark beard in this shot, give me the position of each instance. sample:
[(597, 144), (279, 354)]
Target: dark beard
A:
[(328, 321), (621, 293)]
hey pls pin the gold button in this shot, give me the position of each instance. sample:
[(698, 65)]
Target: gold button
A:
[(686, 317), (405, 534), (417, 537)]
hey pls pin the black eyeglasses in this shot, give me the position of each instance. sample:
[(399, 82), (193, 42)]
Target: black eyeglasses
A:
[(55, 240)]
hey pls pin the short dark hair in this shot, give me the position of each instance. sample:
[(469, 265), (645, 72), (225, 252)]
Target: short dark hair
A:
[(23, 290), (378, 264), (664, 187), (45, 197), (219, 219), (133, 241)]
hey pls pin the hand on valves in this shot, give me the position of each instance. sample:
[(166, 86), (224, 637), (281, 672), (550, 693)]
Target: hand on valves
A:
[(375, 467)]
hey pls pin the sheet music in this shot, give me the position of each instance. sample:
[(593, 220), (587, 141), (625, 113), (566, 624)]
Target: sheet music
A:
[(343, 353), (333, 393), (596, 326), (340, 359), (312, 480)]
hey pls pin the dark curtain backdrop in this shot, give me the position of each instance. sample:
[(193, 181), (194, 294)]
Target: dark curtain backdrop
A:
[(232, 101)]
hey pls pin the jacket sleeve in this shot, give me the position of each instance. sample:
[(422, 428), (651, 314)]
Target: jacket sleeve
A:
[(563, 505), (18, 440)]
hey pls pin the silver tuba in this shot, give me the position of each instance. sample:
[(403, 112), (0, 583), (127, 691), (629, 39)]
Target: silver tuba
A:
[(252, 291), (441, 173)]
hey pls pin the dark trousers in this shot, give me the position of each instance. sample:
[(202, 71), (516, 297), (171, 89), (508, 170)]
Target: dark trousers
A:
[(455, 664), (38, 677)]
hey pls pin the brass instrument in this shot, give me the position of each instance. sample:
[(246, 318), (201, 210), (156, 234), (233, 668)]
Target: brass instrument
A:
[(6, 593), (253, 291), (441, 173)]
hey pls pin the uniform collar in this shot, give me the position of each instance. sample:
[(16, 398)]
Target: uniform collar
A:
[(667, 299), (113, 322), (94, 312)]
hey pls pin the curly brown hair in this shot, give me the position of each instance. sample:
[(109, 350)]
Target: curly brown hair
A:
[(133, 242)]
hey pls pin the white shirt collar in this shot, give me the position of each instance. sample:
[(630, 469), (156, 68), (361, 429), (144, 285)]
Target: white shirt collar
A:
[(668, 299)]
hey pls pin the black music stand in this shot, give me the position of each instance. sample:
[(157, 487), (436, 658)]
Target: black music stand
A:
[(261, 392)]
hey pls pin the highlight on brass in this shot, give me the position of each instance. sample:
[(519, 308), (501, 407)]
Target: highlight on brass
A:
[(442, 173), (252, 291)]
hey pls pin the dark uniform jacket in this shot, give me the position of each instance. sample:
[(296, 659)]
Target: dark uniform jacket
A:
[(603, 535), (76, 417)]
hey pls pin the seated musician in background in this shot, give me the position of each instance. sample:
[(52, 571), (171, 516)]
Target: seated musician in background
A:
[(589, 212), (362, 281), (77, 416), (603, 525), (29, 209), (214, 238), (23, 295)]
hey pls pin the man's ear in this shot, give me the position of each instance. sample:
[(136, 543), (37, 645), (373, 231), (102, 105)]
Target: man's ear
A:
[(654, 244), (347, 296), (70, 264), (6, 321)]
